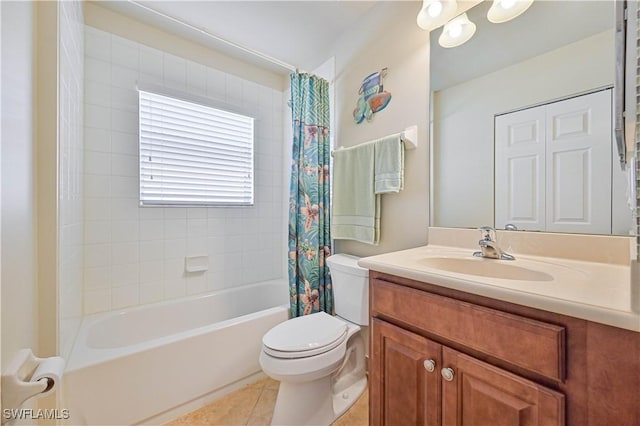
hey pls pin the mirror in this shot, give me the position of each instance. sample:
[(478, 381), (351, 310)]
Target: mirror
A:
[(544, 59)]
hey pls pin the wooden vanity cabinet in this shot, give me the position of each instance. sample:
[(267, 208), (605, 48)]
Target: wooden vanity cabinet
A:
[(444, 357)]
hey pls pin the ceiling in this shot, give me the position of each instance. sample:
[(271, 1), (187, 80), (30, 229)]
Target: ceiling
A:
[(300, 33)]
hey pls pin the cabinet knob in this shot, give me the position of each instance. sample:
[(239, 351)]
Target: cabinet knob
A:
[(447, 374), (429, 365)]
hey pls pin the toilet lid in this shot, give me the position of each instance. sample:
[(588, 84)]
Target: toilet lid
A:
[(306, 335)]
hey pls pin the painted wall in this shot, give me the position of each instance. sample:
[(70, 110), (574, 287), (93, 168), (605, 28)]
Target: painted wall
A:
[(19, 261), (135, 255), (463, 166), (403, 48), (70, 164)]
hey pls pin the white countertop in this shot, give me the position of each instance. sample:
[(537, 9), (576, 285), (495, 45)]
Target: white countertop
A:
[(594, 291)]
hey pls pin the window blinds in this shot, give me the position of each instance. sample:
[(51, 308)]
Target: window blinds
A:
[(191, 154)]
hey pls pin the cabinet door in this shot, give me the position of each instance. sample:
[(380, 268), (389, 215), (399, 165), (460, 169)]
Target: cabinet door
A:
[(403, 391), (480, 394)]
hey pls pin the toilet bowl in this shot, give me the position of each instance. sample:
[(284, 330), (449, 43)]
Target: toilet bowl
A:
[(319, 359)]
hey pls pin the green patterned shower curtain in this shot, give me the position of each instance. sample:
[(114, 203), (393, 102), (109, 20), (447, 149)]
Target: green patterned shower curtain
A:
[(310, 287)]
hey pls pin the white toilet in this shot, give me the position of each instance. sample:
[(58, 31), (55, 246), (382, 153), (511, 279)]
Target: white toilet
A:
[(319, 359)]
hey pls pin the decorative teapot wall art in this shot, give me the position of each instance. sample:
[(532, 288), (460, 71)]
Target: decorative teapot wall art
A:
[(373, 98)]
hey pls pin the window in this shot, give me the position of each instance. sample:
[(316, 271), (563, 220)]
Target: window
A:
[(192, 154)]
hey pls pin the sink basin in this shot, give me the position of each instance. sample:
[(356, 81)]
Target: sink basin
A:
[(485, 268)]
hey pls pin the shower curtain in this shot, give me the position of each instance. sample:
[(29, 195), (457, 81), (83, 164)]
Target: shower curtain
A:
[(309, 228)]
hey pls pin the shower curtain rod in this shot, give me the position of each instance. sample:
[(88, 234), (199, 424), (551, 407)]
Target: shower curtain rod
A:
[(260, 55)]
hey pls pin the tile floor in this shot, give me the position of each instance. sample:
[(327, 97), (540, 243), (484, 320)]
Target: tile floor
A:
[(253, 405)]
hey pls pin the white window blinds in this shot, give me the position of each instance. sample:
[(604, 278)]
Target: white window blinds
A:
[(191, 154)]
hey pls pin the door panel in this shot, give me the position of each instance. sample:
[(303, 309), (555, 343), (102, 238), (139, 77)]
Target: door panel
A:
[(579, 164), (520, 169), (554, 167), (403, 392), (481, 394)]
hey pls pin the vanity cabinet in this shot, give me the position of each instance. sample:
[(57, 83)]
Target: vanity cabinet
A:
[(444, 357), (420, 382)]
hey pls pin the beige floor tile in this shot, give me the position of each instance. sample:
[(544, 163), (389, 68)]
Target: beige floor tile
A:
[(358, 414), (253, 405), (232, 409)]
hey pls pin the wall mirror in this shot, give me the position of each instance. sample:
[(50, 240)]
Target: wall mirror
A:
[(516, 137)]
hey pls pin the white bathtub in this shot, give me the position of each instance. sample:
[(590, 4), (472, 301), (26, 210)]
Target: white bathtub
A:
[(151, 363)]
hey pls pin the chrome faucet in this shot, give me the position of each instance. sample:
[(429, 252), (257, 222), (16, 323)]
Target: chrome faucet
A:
[(489, 247)]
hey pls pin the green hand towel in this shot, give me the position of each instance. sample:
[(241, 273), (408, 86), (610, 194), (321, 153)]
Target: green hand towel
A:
[(389, 164), (355, 205)]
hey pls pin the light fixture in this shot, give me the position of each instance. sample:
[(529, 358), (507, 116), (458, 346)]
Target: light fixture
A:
[(457, 31), (435, 13), (506, 10)]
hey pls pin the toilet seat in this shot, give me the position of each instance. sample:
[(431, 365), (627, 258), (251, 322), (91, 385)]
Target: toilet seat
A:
[(305, 336)]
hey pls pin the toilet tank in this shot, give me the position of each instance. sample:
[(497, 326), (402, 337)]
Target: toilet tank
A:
[(350, 288)]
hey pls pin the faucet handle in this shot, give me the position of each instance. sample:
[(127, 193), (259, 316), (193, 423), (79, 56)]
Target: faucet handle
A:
[(487, 233)]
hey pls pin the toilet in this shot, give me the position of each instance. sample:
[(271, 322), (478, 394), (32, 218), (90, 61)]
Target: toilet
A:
[(319, 359)]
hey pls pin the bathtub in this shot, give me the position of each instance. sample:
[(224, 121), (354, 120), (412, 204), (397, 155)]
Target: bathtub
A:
[(152, 363)]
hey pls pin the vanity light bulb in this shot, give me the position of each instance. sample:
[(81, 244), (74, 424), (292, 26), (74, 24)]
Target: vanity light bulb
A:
[(507, 4), (435, 9), (455, 29)]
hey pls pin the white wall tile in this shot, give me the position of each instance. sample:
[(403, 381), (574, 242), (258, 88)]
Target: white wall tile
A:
[(175, 249), (98, 93), (175, 71), (124, 121), (151, 62), (197, 246), (97, 186), (151, 213), (125, 231), (97, 70), (125, 52), (97, 208), (151, 293), (175, 213), (97, 232), (97, 300), (124, 209), (134, 254), (196, 78), (233, 90), (196, 284), (123, 253), (151, 272), (124, 165), (98, 277), (96, 255), (124, 98), (124, 143), (197, 228), (151, 250), (151, 230), (97, 44), (122, 297), (97, 139), (175, 228), (124, 77), (216, 82), (125, 275), (174, 289), (124, 187), (97, 116)]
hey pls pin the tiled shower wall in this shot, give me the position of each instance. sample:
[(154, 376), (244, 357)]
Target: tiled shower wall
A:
[(70, 165), (135, 255)]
